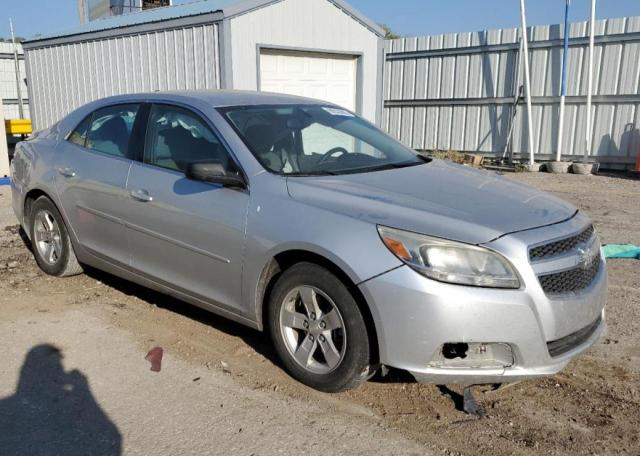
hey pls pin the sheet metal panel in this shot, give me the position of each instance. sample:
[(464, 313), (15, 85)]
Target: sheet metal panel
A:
[(8, 89), (11, 111), (479, 68), (67, 76)]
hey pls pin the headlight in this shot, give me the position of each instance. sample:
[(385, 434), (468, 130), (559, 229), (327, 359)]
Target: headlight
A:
[(450, 261)]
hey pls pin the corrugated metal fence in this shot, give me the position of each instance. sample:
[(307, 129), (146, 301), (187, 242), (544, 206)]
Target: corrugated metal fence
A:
[(456, 91), (8, 90)]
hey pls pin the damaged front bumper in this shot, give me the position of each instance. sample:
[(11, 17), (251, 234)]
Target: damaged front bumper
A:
[(452, 334)]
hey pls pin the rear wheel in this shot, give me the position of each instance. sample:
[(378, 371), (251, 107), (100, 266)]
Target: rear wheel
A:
[(51, 244), (318, 329)]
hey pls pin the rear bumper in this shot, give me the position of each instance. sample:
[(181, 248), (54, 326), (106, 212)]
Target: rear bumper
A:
[(17, 198), (415, 317)]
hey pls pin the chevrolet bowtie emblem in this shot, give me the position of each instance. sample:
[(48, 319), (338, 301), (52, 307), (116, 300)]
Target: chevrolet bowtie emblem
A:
[(586, 257)]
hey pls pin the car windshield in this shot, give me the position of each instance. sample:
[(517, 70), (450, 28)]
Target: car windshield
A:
[(316, 140)]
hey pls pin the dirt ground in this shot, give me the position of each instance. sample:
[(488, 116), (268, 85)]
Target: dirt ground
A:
[(593, 407)]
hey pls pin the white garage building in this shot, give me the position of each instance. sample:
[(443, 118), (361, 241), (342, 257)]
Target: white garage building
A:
[(317, 48)]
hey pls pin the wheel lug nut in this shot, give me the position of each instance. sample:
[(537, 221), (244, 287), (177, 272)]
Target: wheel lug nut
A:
[(313, 316), (311, 338), (305, 324), (323, 324), (321, 338)]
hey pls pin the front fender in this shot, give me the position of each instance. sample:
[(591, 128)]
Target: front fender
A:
[(276, 223)]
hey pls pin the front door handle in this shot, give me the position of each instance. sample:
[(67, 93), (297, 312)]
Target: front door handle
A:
[(141, 195), (67, 172)]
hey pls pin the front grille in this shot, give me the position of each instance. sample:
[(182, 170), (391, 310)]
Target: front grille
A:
[(556, 248), (572, 280), (568, 343)]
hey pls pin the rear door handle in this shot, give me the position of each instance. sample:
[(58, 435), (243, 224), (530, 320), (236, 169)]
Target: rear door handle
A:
[(141, 195), (67, 172)]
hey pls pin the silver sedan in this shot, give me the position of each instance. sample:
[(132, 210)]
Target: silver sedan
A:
[(298, 217)]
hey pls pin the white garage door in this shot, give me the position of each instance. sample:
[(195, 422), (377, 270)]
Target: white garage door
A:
[(327, 77)]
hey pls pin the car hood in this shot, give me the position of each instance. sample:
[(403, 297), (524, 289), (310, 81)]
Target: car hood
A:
[(438, 198)]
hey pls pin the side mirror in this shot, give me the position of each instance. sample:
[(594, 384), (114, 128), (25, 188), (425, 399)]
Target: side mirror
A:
[(215, 173)]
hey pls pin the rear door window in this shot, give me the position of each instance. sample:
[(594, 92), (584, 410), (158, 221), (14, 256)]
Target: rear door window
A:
[(110, 130)]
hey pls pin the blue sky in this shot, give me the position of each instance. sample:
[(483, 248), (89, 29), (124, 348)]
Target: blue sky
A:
[(407, 17)]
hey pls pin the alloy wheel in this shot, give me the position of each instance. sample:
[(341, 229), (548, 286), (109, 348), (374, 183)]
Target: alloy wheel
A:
[(48, 239), (313, 329)]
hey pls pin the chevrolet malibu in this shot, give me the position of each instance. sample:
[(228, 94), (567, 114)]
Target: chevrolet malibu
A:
[(298, 217)]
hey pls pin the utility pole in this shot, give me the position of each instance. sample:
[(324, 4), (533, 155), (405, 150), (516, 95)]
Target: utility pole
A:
[(527, 81), (563, 83), (18, 76), (587, 150), (82, 11)]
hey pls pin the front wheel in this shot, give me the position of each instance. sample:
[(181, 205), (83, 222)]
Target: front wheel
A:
[(51, 244), (318, 329)]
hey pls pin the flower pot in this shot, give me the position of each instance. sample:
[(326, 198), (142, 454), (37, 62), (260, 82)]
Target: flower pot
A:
[(584, 168), (558, 167), (533, 168)]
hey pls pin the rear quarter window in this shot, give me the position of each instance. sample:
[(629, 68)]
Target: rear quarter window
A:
[(79, 135)]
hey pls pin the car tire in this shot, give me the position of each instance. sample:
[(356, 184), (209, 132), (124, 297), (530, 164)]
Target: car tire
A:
[(50, 240), (318, 329)]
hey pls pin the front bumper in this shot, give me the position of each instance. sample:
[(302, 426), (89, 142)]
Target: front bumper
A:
[(416, 316)]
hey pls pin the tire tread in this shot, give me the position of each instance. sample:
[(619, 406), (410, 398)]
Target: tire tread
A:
[(345, 377), (70, 266)]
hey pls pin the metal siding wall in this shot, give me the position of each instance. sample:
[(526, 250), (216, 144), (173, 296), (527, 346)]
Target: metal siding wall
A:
[(8, 90), (11, 111), (429, 98), (67, 76)]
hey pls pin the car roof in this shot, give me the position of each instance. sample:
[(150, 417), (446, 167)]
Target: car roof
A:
[(218, 98)]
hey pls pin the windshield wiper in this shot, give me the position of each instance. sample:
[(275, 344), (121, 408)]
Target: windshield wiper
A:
[(322, 172), (421, 161), (384, 166)]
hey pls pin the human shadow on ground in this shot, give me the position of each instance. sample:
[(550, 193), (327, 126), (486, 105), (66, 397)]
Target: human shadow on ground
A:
[(53, 412)]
